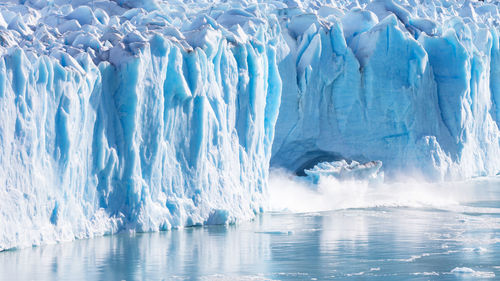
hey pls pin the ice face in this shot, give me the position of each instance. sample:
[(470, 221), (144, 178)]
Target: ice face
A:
[(147, 115), (108, 124), (405, 82)]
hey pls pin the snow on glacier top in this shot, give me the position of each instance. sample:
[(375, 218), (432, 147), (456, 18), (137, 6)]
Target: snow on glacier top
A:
[(96, 27)]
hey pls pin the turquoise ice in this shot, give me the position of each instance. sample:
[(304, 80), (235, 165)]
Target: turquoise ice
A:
[(152, 115)]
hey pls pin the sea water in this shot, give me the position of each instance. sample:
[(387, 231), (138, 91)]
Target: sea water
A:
[(455, 238)]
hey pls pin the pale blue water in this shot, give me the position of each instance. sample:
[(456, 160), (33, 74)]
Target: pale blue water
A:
[(381, 243)]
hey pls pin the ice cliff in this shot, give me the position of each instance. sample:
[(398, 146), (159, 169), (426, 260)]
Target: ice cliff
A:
[(414, 84), (113, 119), (148, 115)]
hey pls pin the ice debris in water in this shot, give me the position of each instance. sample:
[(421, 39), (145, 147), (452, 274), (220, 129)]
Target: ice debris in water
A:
[(152, 114), (341, 170), (472, 272)]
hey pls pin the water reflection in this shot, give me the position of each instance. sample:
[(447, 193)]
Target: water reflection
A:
[(356, 244)]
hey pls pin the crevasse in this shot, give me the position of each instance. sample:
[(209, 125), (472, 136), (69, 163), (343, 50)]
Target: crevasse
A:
[(148, 115)]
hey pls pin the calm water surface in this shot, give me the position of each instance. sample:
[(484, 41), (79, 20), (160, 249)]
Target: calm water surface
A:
[(460, 242)]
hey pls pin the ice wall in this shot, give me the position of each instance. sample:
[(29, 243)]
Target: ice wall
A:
[(411, 83), (111, 124), (152, 114)]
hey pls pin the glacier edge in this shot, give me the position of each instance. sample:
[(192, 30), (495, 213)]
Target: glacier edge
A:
[(147, 115)]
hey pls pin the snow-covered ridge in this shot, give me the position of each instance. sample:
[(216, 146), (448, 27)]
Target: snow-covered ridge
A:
[(147, 115)]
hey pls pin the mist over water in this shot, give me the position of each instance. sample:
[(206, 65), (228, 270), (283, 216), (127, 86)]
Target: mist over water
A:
[(290, 193)]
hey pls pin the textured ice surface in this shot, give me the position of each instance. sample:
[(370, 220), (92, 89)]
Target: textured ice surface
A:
[(414, 84), (114, 119), (147, 115)]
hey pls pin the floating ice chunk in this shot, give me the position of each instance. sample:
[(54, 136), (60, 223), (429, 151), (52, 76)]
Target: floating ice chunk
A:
[(425, 273), (346, 171), (472, 272), (462, 270)]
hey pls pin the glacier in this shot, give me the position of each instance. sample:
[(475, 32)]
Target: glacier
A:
[(150, 115), (413, 84), (111, 124)]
